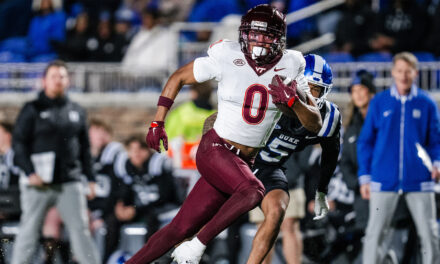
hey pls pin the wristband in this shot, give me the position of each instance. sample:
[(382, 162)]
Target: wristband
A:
[(291, 101), (165, 101), (156, 124)]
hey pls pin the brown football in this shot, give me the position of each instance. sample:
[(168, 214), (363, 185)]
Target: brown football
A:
[(283, 107)]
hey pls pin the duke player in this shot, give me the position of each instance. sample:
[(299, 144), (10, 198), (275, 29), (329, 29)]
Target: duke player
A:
[(246, 118), (290, 136)]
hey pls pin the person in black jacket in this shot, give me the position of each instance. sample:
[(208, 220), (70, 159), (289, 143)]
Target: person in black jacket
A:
[(362, 91), (51, 146)]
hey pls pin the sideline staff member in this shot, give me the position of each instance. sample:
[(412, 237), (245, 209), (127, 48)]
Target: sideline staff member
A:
[(51, 145)]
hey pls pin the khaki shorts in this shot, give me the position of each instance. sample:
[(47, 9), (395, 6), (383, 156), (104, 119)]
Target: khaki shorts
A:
[(296, 208)]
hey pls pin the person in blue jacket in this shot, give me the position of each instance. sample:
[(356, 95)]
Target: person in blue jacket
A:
[(399, 155), (47, 27)]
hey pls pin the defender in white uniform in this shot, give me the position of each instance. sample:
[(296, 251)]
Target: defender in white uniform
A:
[(246, 118)]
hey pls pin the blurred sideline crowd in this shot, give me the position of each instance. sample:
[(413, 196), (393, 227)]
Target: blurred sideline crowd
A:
[(135, 185), (136, 32)]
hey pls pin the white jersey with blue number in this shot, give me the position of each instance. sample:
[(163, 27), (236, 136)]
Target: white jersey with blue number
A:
[(246, 114)]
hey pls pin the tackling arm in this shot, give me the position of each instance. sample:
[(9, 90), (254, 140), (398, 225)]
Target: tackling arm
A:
[(330, 151), (308, 114), (329, 160), (288, 95)]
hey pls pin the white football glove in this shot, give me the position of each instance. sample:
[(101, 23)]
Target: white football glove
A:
[(321, 205)]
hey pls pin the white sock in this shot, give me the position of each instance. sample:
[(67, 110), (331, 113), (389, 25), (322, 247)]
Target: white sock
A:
[(196, 244)]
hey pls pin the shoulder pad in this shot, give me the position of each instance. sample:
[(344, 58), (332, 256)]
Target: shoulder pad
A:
[(120, 169), (156, 164), (218, 48), (110, 152)]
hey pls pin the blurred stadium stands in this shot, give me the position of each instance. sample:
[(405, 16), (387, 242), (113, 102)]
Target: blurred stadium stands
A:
[(19, 73), (111, 77)]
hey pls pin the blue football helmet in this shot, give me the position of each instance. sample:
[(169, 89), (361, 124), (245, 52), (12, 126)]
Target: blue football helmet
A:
[(318, 72), (119, 257)]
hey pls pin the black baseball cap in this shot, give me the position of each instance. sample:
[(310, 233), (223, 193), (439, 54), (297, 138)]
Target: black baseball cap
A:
[(365, 78)]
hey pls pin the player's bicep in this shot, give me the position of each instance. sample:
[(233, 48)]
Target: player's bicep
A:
[(185, 74), (182, 76), (206, 68)]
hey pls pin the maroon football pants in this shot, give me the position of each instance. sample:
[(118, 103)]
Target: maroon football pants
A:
[(226, 190)]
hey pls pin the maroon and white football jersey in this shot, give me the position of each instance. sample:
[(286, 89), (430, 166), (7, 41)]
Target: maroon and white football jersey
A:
[(246, 114)]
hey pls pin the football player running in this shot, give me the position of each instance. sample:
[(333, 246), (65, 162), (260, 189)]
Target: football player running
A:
[(246, 118), (291, 136)]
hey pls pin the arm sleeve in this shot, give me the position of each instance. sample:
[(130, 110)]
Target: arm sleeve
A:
[(433, 144), (366, 143), (329, 160), (85, 156), (22, 138)]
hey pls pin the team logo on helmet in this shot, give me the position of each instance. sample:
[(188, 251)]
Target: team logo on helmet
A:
[(258, 25)]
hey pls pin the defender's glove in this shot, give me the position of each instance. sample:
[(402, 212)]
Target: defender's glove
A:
[(321, 205), (156, 132), (283, 93)]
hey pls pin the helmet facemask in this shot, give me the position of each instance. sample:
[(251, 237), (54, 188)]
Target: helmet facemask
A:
[(325, 90), (260, 46)]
